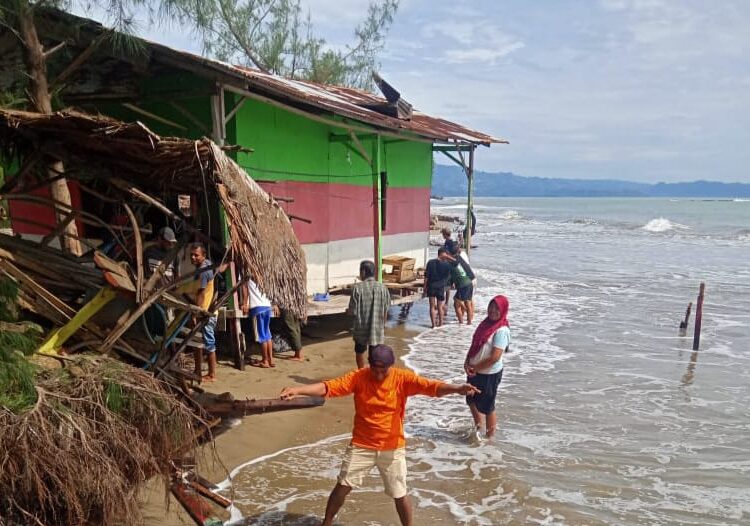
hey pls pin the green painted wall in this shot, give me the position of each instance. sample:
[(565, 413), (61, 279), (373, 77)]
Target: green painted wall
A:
[(290, 147), (157, 95)]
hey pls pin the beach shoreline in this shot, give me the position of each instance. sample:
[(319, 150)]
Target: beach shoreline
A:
[(328, 351)]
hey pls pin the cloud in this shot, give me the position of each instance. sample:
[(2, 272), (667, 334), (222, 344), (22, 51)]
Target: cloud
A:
[(473, 55), (470, 41)]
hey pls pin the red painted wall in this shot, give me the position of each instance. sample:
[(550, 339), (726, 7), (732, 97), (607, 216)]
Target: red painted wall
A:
[(340, 211), (41, 213)]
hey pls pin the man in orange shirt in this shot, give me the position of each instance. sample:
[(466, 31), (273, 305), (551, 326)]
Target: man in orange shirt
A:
[(380, 392)]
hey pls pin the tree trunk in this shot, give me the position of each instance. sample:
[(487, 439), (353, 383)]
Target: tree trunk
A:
[(41, 100)]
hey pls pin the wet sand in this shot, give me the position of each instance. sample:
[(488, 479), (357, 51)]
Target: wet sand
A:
[(328, 351)]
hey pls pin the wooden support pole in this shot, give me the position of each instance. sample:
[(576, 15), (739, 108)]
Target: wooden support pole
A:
[(684, 323), (698, 318)]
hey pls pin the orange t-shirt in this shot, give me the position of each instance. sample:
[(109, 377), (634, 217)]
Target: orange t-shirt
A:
[(379, 407)]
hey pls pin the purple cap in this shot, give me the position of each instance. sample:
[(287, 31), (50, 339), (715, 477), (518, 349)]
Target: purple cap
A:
[(382, 354)]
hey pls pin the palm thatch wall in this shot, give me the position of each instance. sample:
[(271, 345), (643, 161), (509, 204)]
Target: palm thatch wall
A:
[(129, 156)]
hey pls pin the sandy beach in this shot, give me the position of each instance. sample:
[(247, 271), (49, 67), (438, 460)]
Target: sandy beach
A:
[(328, 352)]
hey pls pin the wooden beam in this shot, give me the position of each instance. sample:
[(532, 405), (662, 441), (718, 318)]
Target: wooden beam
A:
[(234, 110), (452, 148), (152, 116), (453, 158), (189, 116), (360, 149)]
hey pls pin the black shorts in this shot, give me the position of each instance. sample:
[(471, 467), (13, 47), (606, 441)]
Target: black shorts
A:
[(359, 348), (436, 292), (488, 384), (465, 293)]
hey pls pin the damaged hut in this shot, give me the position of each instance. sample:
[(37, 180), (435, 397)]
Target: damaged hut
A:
[(77, 443), (132, 183)]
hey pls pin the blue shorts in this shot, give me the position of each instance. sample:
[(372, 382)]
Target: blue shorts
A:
[(465, 293), (261, 317), (209, 338)]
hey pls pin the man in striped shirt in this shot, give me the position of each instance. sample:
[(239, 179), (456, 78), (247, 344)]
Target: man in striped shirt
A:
[(368, 305)]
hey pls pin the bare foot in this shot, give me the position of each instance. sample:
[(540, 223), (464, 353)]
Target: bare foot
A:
[(262, 365), (297, 358), (208, 378)]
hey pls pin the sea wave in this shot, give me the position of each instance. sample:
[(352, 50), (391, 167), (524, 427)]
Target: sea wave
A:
[(583, 221), (510, 215), (662, 224)]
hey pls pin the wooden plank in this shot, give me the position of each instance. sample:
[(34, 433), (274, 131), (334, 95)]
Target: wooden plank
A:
[(239, 408), (138, 253), (59, 336), (207, 493)]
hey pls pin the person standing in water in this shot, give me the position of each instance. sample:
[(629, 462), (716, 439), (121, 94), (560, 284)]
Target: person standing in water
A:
[(484, 364), (380, 393)]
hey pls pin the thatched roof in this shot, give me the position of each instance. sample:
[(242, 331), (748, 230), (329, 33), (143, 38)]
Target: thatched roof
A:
[(99, 148)]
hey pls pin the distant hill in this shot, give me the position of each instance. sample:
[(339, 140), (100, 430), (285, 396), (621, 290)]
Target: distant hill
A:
[(451, 181)]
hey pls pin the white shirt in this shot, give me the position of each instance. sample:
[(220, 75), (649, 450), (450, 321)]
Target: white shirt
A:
[(257, 298), (500, 339)]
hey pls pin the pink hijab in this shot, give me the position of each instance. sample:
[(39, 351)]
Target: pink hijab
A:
[(488, 327)]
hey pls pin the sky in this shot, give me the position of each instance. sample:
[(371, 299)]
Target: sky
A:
[(640, 90)]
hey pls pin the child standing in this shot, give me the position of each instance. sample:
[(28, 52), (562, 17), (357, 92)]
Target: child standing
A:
[(484, 364)]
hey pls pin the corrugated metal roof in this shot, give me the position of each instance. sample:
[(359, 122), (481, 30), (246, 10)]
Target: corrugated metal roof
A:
[(307, 96), (349, 102), (340, 100)]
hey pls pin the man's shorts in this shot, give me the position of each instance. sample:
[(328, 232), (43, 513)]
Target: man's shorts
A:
[(359, 348), (209, 338), (464, 293), (488, 384), (436, 292), (358, 462), (261, 317)]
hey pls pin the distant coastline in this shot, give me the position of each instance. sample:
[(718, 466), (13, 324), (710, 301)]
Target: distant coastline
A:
[(450, 181)]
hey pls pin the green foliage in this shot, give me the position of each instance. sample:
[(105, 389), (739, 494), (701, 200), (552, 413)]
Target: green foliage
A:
[(272, 35), (17, 342)]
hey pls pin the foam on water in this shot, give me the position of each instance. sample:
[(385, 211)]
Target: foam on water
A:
[(606, 415), (662, 224)]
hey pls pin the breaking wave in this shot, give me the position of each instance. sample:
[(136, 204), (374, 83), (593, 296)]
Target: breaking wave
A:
[(662, 224)]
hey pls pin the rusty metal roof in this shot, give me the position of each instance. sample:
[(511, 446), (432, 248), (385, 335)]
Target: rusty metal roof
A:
[(307, 96), (351, 103), (339, 100)]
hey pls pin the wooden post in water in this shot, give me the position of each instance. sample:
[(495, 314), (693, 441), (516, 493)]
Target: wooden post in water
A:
[(698, 315), (684, 323)]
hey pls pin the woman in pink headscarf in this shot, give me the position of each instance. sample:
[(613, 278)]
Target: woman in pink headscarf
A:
[(484, 364)]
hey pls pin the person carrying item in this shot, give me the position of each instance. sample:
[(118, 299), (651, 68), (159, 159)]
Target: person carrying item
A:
[(257, 306), (484, 364), (203, 285), (437, 274), (368, 305), (462, 277), (380, 393)]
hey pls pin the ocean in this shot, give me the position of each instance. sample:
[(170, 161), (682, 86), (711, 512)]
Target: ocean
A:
[(606, 415)]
